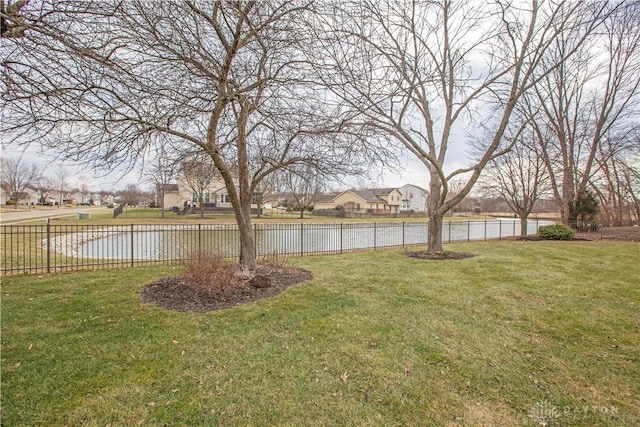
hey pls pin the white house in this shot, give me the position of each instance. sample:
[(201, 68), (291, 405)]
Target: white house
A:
[(414, 198)]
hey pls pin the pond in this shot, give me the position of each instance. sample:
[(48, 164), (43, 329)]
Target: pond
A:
[(180, 241)]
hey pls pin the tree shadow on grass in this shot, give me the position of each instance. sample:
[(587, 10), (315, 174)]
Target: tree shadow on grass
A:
[(437, 256)]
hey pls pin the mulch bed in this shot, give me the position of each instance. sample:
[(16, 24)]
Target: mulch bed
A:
[(174, 293)]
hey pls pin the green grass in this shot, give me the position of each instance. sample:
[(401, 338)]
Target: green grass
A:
[(523, 333)]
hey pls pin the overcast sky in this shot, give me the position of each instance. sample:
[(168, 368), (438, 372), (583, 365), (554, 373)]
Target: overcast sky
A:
[(95, 180), (412, 170)]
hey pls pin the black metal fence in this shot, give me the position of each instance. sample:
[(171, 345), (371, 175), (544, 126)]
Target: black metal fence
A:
[(601, 232), (29, 249), (117, 211)]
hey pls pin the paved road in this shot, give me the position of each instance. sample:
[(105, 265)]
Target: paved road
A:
[(7, 218)]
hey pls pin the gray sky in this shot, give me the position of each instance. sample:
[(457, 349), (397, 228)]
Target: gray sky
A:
[(412, 170)]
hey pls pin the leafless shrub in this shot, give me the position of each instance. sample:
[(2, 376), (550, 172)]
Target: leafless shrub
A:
[(276, 261), (210, 274)]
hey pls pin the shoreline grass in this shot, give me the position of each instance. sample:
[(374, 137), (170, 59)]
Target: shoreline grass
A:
[(523, 333)]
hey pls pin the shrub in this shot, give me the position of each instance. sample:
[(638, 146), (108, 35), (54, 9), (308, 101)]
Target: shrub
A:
[(585, 208), (11, 202), (211, 274), (556, 232), (276, 261)]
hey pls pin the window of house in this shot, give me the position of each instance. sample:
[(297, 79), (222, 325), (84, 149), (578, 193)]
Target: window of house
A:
[(206, 197)]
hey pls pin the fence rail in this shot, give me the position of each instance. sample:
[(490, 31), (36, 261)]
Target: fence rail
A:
[(50, 248), (599, 232)]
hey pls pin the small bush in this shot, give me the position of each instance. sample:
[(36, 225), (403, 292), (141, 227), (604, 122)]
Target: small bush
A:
[(211, 274), (276, 261), (556, 232)]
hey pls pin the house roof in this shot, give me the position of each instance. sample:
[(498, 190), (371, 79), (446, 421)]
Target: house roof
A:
[(414, 186), (369, 196), (382, 191), (328, 197), (170, 188)]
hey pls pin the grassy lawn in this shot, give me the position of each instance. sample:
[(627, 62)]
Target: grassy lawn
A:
[(522, 334)]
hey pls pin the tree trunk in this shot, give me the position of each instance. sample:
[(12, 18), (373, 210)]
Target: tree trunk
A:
[(435, 212), (523, 225), (567, 198), (247, 243), (161, 199), (434, 239)]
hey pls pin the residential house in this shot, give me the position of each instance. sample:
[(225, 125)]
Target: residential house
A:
[(171, 198), (5, 193), (27, 197), (414, 198), (280, 200), (186, 192), (372, 201)]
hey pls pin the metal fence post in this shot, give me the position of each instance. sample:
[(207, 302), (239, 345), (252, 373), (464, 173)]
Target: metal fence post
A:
[(468, 231), (403, 234), (48, 246), (132, 246), (255, 240), (341, 233), (302, 239), (375, 242), (449, 231), (485, 229)]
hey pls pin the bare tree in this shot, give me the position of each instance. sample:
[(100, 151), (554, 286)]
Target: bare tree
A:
[(84, 190), (161, 173), (43, 186), (586, 98), (104, 81), (519, 177), (200, 176), (11, 22), (417, 71), (631, 181), (305, 185), (18, 176), (131, 195), (61, 184), (617, 180)]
